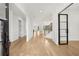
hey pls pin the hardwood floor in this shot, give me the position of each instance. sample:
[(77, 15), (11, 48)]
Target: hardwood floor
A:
[(40, 46)]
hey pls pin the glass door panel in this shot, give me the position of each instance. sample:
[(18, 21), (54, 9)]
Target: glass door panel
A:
[(63, 28)]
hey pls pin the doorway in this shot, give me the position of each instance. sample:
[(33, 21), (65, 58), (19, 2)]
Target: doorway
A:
[(63, 29), (4, 43), (19, 28)]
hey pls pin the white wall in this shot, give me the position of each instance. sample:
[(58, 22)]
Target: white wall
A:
[(29, 28), (28, 25), (2, 10), (73, 20), (54, 33), (15, 14), (74, 25), (55, 28)]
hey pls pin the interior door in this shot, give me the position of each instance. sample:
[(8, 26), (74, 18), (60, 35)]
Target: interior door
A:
[(19, 29), (4, 42), (63, 29)]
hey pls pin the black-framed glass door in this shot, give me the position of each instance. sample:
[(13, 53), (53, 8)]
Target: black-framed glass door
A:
[(63, 29)]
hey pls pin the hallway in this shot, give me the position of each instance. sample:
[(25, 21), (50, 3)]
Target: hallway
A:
[(38, 29), (40, 46), (34, 47)]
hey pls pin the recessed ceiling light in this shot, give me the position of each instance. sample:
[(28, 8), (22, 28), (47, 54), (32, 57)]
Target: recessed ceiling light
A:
[(41, 11)]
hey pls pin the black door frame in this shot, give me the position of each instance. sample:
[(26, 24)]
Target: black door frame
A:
[(6, 28), (59, 29), (5, 34)]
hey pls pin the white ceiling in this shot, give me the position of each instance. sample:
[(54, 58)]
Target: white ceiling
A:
[(72, 9), (42, 11)]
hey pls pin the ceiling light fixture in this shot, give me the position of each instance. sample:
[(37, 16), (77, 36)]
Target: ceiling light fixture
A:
[(41, 11)]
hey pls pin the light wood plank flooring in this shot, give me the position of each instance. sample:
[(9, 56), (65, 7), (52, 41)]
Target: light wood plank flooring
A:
[(40, 46)]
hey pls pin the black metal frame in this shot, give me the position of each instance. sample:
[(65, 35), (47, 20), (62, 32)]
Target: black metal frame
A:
[(66, 8), (5, 34), (59, 29), (60, 13), (7, 42)]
